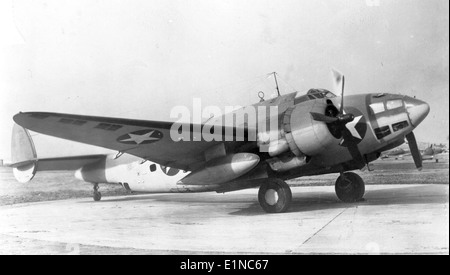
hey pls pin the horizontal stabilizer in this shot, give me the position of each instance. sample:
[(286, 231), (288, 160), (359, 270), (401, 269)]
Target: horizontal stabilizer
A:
[(71, 163)]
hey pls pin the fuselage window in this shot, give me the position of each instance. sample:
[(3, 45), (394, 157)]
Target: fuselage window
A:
[(382, 132), (153, 168), (394, 104), (377, 107), (400, 125)]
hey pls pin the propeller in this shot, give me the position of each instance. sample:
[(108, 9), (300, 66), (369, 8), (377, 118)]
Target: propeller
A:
[(337, 121), (414, 150), (323, 118), (342, 95)]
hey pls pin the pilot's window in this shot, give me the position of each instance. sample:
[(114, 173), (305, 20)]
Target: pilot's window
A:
[(393, 104), (377, 107), (382, 132), (399, 126), (153, 168)]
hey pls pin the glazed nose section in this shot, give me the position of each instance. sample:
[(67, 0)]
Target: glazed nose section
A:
[(417, 110)]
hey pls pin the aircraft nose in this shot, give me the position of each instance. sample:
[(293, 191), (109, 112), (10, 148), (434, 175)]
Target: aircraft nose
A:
[(417, 110)]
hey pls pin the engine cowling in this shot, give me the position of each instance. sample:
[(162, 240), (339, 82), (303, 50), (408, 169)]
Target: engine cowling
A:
[(301, 136), (309, 136), (221, 170)]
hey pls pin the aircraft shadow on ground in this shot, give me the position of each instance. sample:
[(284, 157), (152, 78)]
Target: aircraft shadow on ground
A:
[(322, 201), (301, 202), (200, 198)]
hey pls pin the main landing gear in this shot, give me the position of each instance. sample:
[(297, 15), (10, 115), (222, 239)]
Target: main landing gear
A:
[(97, 194), (350, 187), (274, 196)]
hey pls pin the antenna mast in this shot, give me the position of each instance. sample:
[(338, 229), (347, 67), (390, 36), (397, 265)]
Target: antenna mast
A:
[(276, 82)]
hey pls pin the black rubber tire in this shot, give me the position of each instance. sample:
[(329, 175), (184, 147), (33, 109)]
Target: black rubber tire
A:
[(350, 187), (283, 192), (97, 196)]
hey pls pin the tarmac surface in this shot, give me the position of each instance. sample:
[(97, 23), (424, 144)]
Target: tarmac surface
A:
[(393, 219)]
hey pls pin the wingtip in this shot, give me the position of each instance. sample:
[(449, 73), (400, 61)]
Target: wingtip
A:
[(16, 117)]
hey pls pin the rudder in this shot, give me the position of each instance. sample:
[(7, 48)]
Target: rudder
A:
[(23, 154)]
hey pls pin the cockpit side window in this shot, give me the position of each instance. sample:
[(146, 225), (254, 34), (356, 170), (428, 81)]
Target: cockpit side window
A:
[(394, 104), (377, 107), (382, 132), (400, 125)]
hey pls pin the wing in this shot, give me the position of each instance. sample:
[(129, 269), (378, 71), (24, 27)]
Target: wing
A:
[(146, 139)]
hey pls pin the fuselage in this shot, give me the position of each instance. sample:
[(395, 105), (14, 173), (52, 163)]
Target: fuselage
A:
[(381, 121)]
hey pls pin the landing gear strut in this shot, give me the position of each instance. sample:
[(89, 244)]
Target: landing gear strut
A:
[(274, 196), (97, 194), (349, 187)]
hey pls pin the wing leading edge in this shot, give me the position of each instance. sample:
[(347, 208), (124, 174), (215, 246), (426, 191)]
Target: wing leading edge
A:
[(150, 140)]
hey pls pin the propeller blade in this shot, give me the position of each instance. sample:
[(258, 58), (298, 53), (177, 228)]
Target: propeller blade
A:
[(323, 118), (342, 95), (414, 150), (352, 147), (336, 81)]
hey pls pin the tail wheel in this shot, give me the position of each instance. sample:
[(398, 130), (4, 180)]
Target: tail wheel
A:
[(350, 187), (275, 196)]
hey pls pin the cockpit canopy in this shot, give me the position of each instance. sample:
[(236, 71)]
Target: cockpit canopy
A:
[(314, 94)]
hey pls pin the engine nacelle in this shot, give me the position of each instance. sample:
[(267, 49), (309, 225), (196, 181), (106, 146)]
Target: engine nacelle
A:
[(300, 136), (93, 172), (307, 135), (222, 169)]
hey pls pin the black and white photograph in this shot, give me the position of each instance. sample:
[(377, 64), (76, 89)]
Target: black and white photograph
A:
[(212, 127)]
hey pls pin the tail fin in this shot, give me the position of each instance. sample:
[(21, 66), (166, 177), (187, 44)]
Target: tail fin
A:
[(25, 162), (23, 154)]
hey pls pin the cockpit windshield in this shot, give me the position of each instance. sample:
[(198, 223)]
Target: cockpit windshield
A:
[(314, 94), (320, 93)]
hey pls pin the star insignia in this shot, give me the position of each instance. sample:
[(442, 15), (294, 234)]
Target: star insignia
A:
[(351, 127), (138, 139)]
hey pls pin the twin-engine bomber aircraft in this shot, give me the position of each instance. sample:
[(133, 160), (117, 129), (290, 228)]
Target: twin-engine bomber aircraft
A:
[(317, 134)]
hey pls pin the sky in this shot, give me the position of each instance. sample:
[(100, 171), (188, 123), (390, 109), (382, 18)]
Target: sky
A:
[(138, 59)]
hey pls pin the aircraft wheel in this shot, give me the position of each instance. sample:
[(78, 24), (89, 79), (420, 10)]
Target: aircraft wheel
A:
[(97, 196), (275, 196), (349, 187)]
